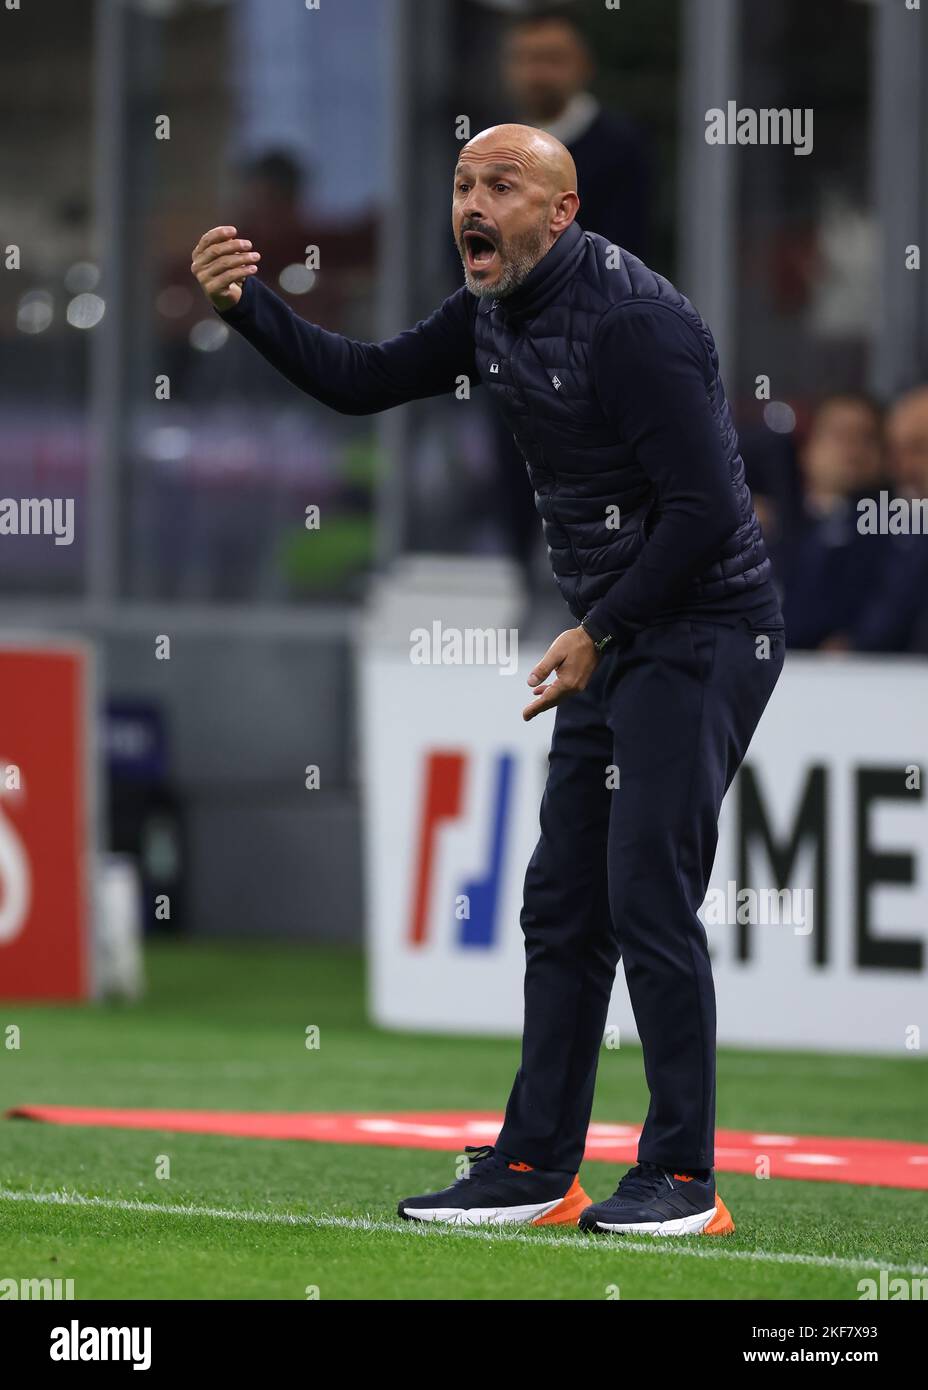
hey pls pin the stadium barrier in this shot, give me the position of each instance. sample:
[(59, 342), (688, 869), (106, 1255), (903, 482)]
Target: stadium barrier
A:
[(817, 912)]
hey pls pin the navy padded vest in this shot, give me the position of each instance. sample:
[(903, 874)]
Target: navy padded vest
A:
[(533, 353)]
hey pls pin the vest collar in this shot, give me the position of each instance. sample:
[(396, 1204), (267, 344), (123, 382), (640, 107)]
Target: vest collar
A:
[(545, 280)]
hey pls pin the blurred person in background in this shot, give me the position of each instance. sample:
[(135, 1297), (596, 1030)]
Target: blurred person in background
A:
[(273, 203), (275, 198), (827, 568), (547, 69), (895, 616), (907, 438), (270, 200)]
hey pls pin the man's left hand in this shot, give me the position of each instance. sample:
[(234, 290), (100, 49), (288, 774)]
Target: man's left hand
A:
[(574, 657)]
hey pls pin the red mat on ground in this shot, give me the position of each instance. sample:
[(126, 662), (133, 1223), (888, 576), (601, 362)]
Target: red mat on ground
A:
[(882, 1162)]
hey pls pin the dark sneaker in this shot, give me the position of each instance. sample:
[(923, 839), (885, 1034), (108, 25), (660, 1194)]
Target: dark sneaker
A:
[(497, 1191), (656, 1201)]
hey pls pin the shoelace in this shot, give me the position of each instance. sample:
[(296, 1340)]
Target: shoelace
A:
[(480, 1157), (642, 1182)]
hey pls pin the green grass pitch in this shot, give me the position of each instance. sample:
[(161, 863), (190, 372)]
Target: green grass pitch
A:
[(223, 1027)]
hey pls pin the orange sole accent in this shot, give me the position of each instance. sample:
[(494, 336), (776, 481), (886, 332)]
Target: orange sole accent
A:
[(721, 1223), (568, 1210)]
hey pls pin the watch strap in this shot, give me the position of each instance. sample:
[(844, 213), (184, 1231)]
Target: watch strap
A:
[(600, 639)]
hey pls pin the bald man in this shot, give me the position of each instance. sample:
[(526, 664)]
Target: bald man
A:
[(609, 381)]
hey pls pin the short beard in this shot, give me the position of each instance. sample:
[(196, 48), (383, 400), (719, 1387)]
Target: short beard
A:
[(522, 254)]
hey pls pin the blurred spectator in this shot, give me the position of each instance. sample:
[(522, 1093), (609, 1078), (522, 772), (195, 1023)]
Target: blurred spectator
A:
[(269, 209), (547, 69), (273, 217), (273, 213), (907, 436), (828, 569), (895, 619)]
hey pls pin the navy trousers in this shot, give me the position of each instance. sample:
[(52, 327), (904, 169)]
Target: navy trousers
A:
[(621, 871)]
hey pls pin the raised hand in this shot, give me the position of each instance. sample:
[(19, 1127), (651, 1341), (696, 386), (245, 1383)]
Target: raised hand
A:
[(221, 264)]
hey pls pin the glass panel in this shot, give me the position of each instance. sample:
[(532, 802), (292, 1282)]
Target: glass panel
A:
[(284, 143), (807, 256), (47, 302)]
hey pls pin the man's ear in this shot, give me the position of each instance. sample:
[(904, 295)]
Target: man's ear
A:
[(565, 210)]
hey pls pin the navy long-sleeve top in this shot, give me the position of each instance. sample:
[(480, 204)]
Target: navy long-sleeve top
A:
[(662, 410)]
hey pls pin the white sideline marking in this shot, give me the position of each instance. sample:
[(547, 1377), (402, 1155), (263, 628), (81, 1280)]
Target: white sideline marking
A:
[(428, 1231)]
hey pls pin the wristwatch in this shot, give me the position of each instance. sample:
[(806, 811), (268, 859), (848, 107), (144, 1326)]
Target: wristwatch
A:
[(599, 638)]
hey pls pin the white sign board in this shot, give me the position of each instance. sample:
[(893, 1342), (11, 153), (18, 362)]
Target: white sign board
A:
[(828, 814)]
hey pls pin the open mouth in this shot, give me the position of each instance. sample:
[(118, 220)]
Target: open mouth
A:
[(480, 251)]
